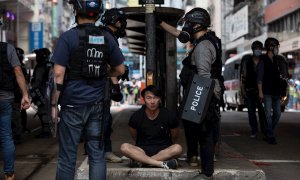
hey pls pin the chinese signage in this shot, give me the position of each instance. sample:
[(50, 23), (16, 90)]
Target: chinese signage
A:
[(36, 35)]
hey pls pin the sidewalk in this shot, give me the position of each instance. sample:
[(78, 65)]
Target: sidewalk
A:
[(229, 165)]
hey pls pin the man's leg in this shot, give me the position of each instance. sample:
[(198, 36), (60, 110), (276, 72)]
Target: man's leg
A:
[(276, 106), (8, 147), (269, 121), (173, 151), (138, 154), (251, 102), (95, 147), (69, 131)]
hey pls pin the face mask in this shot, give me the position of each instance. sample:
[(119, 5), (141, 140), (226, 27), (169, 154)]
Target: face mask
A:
[(275, 51), (257, 52), (186, 33)]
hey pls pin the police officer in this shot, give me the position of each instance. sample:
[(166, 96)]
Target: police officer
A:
[(10, 68), (250, 90), (205, 60), (268, 78), (39, 87), (115, 23), (84, 56)]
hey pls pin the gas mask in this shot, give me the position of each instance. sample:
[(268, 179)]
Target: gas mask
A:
[(257, 52), (121, 30), (186, 33)]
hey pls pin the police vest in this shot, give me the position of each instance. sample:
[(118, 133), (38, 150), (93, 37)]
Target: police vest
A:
[(89, 61), (6, 70), (216, 69)]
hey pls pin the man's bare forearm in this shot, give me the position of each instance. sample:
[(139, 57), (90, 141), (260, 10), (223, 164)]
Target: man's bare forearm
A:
[(21, 80)]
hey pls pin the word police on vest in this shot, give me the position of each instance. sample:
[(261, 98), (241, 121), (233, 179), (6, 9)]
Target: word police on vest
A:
[(197, 98), (93, 53)]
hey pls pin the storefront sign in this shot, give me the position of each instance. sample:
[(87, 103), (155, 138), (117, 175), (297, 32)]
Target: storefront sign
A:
[(36, 35)]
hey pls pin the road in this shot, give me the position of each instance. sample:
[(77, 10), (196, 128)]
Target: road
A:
[(279, 162)]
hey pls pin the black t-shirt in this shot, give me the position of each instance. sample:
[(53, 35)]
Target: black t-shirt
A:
[(153, 132)]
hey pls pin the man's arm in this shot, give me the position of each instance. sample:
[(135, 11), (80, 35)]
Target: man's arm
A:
[(59, 75), (170, 29), (133, 133), (260, 74), (117, 70), (25, 103), (174, 134)]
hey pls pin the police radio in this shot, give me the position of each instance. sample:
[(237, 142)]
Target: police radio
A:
[(197, 98)]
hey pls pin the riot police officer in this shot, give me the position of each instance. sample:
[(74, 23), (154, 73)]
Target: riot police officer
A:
[(84, 56), (205, 60), (115, 23)]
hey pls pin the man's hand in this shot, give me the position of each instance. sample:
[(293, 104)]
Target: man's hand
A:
[(25, 102), (54, 114), (261, 96)]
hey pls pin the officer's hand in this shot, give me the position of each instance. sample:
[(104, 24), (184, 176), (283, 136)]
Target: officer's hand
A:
[(116, 94), (157, 18)]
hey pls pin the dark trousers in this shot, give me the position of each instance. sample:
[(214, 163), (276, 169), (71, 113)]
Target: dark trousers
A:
[(253, 103), (206, 135)]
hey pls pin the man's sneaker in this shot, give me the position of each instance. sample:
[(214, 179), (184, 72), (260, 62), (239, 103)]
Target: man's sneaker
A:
[(112, 158), (193, 161), (134, 164), (201, 176), (170, 164)]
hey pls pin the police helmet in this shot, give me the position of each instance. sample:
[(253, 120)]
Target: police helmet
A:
[(257, 44), (90, 8), (271, 42), (42, 55), (197, 16), (111, 16), (20, 53)]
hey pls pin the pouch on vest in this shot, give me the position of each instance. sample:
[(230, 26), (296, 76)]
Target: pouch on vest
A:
[(197, 97)]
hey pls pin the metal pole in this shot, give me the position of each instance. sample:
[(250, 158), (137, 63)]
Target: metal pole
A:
[(150, 43)]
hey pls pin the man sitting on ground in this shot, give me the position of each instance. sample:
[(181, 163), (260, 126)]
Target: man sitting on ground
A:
[(154, 130)]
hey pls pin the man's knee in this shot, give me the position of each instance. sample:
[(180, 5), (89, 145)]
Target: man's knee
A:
[(177, 149), (125, 147)]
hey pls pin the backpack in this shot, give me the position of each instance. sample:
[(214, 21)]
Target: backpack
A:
[(38, 83)]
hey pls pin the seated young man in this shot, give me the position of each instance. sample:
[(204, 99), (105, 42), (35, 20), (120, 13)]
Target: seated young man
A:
[(154, 130)]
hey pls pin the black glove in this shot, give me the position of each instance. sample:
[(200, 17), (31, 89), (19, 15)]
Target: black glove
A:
[(157, 18), (116, 94)]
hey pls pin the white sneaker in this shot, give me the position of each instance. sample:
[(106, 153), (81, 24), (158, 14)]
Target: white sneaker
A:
[(111, 157)]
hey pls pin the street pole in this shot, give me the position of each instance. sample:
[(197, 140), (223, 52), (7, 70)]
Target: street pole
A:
[(150, 43)]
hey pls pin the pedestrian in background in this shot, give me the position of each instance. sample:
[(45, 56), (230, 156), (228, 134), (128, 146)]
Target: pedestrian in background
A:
[(83, 59), (250, 90), (10, 68), (268, 79)]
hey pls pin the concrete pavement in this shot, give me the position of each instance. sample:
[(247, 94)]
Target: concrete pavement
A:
[(229, 165)]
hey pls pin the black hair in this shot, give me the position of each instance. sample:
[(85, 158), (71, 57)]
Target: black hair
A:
[(151, 88)]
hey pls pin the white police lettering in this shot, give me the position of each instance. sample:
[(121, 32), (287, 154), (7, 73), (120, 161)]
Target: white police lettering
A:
[(92, 4), (197, 98)]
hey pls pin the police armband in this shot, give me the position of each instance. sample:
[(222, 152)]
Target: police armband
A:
[(59, 87)]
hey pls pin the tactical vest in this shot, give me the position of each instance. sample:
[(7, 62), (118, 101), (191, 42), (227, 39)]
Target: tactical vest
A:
[(216, 69), (89, 61), (6, 70)]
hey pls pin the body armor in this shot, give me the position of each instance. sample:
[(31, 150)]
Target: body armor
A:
[(6, 70), (89, 60)]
